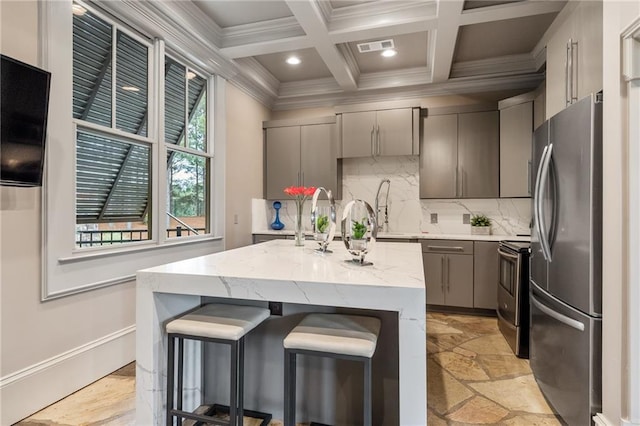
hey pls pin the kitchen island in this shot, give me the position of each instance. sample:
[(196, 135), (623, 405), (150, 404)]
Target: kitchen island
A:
[(278, 271)]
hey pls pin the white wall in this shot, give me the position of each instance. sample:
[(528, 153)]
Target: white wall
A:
[(244, 163), (616, 16), (43, 352)]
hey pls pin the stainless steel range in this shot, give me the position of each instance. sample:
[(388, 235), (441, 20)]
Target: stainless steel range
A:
[(513, 295)]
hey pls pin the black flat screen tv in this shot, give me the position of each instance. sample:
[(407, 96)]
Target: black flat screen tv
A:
[(24, 103)]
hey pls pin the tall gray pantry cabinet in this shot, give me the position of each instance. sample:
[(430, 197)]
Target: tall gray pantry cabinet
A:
[(300, 154)]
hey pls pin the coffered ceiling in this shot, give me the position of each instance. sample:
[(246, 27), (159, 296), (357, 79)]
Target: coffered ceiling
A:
[(443, 46)]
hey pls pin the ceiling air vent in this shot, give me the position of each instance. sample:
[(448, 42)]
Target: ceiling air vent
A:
[(374, 46)]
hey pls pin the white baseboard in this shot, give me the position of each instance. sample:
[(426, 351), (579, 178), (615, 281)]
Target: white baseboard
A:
[(29, 390), (601, 420)]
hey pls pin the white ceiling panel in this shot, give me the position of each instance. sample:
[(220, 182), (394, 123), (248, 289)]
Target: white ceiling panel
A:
[(228, 13), (411, 48), (312, 66), (442, 45), (501, 38)]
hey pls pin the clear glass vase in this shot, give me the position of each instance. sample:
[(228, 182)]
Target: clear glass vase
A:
[(299, 231)]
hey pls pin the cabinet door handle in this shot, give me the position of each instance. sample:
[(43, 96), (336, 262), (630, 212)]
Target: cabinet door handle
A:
[(448, 274), (574, 70), (378, 151), (446, 248), (302, 181), (442, 273), (529, 177), (373, 152), (299, 183), (567, 87), (456, 181)]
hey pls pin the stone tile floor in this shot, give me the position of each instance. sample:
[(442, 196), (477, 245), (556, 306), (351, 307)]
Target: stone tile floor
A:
[(473, 378)]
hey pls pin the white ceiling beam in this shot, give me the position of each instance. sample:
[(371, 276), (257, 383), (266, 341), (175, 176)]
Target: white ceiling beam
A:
[(382, 31), (267, 46), (312, 21), (381, 19), (509, 11), (445, 38)]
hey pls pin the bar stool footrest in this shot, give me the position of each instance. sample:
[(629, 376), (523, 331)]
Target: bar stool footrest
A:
[(224, 409)]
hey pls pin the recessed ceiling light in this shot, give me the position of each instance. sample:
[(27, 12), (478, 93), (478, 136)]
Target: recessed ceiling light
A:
[(389, 53), (293, 60), (78, 10), (130, 88), (191, 75)]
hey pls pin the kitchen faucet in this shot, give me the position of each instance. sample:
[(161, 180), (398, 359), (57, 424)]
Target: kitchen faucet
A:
[(381, 226)]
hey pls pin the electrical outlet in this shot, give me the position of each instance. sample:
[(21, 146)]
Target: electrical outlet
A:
[(466, 218), (275, 308), (434, 217)]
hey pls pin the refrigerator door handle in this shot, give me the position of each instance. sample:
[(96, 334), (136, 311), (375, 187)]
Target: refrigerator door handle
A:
[(536, 194), (542, 226), (557, 316)]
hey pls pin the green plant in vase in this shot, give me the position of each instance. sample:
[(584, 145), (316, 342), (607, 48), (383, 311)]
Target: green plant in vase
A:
[(358, 229), (322, 223)]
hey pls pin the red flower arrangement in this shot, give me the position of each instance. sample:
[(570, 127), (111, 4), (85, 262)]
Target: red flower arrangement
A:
[(299, 194), (297, 191)]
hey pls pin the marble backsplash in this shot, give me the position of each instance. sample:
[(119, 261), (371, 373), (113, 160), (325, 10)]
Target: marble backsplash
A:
[(407, 212)]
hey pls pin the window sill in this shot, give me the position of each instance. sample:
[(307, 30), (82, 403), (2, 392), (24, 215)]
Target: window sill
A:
[(81, 255)]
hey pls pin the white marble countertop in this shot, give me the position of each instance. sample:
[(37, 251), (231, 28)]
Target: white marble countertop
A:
[(419, 236), (279, 271)]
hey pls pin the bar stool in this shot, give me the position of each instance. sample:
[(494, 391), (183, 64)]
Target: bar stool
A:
[(348, 337), (216, 323)]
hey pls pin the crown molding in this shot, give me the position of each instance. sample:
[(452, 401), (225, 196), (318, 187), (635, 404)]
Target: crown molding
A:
[(325, 9), (401, 78), (273, 29), (308, 88), (453, 86), (503, 65), (251, 68)]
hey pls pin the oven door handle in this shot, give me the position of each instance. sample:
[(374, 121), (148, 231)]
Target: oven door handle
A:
[(506, 254)]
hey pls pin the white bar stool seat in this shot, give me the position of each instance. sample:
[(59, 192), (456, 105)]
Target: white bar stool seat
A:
[(216, 323), (340, 336)]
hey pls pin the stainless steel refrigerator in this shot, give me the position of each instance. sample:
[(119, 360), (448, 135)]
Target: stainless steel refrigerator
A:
[(566, 261)]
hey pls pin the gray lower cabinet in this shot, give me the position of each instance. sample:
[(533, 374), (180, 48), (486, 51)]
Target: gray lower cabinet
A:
[(459, 155), (300, 155), (261, 238), (448, 269), (485, 274)]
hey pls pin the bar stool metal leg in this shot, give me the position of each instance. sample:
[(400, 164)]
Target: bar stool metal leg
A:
[(367, 392), (289, 388), (170, 374), (180, 373), (241, 381), (233, 402)]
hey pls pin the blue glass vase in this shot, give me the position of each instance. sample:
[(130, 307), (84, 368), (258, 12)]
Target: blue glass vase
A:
[(277, 225)]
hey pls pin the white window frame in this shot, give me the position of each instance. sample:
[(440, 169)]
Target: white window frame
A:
[(631, 73), (65, 269)]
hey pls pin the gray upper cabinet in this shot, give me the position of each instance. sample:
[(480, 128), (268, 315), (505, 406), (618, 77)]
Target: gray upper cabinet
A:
[(459, 156), (300, 155), (478, 148), (282, 158), (516, 131), (574, 57), (439, 157), (380, 133)]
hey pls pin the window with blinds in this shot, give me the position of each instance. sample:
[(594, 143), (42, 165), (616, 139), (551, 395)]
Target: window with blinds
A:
[(116, 142)]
